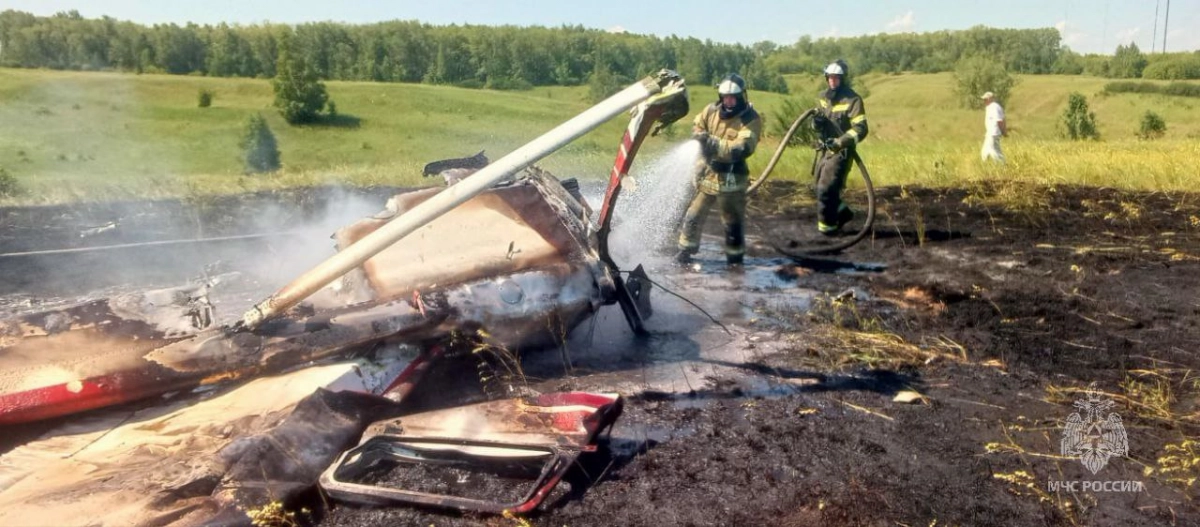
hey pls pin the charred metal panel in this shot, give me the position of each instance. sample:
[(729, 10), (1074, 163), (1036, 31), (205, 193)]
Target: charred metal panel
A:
[(499, 232), (97, 358), (509, 261), (504, 455)]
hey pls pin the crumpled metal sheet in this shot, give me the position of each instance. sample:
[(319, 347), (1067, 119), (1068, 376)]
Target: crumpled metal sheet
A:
[(494, 457), (165, 464), (513, 261)]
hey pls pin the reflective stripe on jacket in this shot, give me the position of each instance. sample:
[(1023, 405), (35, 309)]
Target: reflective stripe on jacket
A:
[(726, 170), (844, 108)]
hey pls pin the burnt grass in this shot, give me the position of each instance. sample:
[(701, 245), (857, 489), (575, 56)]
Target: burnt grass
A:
[(1029, 295), (1016, 298)]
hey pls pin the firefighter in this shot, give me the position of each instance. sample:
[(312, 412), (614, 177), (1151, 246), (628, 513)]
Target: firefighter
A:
[(841, 123), (728, 131)]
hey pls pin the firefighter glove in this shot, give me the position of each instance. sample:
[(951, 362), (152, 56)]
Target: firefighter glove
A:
[(819, 122), (842, 142), (708, 143)]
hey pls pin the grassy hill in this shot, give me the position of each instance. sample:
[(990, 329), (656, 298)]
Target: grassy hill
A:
[(919, 134), (71, 136), (98, 135)]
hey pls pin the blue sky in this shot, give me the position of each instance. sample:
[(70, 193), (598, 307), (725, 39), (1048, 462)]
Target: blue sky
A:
[(1087, 25)]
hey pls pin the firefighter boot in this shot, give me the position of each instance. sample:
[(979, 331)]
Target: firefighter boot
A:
[(684, 256), (845, 215)]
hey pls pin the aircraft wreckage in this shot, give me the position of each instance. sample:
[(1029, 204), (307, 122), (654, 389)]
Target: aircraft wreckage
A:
[(507, 250)]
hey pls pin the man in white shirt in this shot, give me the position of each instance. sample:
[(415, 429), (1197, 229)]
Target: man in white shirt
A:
[(993, 123)]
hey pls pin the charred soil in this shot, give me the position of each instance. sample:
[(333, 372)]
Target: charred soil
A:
[(997, 307)]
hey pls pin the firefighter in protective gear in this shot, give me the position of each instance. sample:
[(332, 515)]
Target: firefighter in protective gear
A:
[(841, 123), (728, 132)]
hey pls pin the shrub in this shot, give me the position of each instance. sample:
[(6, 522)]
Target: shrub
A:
[(470, 84), (782, 119), (259, 146), (508, 84), (1152, 126), (1131, 87), (1180, 89), (1078, 122), (1175, 68), (979, 74), (9, 186), (1067, 63), (205, 98)]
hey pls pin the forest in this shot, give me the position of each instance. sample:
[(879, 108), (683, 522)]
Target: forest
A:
[(510, 57)]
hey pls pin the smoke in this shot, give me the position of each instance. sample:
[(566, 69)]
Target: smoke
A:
[(649, 211), (280, 259), (263, 241)]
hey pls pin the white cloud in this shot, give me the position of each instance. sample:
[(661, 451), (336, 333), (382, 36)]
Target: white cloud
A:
[(833, 32), (1180, 40), (616, 29), (903, 23), (1071, 36), (1127, 35)]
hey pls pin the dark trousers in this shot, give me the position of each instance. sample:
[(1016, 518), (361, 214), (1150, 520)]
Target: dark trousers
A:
[(733, 214), (831, 171)]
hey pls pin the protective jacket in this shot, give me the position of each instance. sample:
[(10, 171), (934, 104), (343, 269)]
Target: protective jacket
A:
[(723, 168), (844, 118)]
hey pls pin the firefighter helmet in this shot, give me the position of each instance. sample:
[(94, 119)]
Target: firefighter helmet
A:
[(837, 67), (732, 84)]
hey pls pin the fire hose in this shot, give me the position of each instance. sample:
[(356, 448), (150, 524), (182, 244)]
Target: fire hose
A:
[(862, 169)]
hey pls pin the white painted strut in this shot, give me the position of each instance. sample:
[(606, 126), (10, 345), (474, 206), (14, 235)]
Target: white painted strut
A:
[(453, 196)]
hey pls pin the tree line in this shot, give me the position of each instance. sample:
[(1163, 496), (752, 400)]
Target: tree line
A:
[(509, 57), (501, 57)]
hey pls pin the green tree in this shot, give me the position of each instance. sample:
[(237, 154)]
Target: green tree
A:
[(1153, 126), (604, 83), (299, 95), (1078, 121), (760, 77), (259, 146), (975, 75), (1096, 65), (1068, 63), (1127, 63)]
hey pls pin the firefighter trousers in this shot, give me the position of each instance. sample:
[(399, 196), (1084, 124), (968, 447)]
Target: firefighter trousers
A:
[(732, 206), (831, 171)]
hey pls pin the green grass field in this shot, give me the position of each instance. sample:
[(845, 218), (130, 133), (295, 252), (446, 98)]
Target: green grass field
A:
[(72, 136)]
